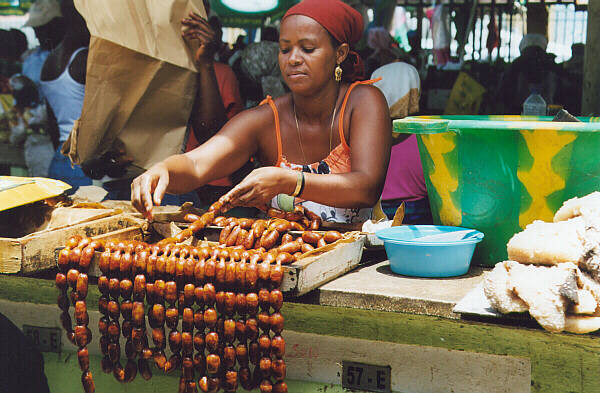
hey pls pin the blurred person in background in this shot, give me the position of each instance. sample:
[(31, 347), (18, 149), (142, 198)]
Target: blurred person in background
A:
[(28, 126), (63, 85), (260, 65), (405, 182), (217, 101), (235, 59), (384, 49), (21, 362), (400, 28), (572, 80), (270, 33), (240, 43), (49, 26), (223, 52), (29, 121), (439, 23), (533, 70), (13, 43)]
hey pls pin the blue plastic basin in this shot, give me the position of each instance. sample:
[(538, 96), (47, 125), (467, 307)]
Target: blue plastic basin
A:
[(436, 257)]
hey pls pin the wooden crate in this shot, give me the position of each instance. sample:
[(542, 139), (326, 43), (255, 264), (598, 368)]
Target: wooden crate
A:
[(308, 273), (317, 269), (36, 251)]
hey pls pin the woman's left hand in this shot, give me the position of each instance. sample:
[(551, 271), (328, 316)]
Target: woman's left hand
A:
[(259, 187)]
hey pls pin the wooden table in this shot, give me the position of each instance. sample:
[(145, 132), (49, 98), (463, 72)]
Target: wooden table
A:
[(372, 316)]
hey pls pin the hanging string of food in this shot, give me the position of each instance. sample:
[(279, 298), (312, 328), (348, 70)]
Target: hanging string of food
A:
[(227, 297)]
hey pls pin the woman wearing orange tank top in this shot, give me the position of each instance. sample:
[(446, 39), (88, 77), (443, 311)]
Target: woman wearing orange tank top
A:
[(327, 142)]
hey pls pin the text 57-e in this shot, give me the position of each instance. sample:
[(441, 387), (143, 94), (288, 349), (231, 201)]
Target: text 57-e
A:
[(368, 377)]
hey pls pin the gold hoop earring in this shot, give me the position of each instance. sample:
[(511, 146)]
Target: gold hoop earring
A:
[(338, 73)]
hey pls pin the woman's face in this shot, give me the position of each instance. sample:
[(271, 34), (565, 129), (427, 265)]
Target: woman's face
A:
[(307, 57)]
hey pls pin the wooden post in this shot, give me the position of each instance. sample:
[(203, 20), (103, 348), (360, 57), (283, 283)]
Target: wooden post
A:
[(419, 27), (590, 103), (471, 23), (537, 19)]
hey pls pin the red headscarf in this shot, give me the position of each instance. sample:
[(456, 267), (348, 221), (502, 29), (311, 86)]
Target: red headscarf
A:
[(343, 22)]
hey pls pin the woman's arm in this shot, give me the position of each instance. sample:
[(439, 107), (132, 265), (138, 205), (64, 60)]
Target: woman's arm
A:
[(370, 140), (221, 155)]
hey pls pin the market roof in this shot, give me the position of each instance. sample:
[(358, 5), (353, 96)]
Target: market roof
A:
[(14, 7), (485, 2)]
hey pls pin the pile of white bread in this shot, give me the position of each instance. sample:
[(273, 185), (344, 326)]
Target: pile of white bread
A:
[(553, 270)]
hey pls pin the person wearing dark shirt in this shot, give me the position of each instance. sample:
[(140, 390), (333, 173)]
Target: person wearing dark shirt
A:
[(533, 70), (21, 363)]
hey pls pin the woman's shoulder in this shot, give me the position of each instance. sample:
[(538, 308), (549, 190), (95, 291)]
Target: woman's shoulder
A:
[(365, 95), (262, 114), (281, 101)]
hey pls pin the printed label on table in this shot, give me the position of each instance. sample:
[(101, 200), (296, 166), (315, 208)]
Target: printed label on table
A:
[(46, 339), (368, 377)]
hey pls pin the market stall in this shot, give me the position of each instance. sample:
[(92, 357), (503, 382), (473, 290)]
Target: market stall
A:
[(345, 318), (405, 323), (200, 301), (410, 333), (368, 329), (198, 255)]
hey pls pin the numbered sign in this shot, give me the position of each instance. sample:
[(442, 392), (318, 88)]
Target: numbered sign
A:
[(47, 339), (368, 377)]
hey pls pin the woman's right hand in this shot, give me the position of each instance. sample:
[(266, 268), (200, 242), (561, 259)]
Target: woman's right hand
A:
[(148, 189)]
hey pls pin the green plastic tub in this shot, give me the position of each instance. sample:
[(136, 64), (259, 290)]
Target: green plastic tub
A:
[(497, 174)]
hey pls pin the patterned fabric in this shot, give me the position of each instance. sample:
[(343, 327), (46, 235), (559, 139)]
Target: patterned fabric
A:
[(338, 161), (343, 22), (260, 59), (401, 85), (260, 63)]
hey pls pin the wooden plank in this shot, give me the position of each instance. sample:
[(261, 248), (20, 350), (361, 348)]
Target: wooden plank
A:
[(413, 368), (313, 271), (11, 254), (130, 233), (318, 358), (560, 362), (317, 267), (62, 217), (37, 250)]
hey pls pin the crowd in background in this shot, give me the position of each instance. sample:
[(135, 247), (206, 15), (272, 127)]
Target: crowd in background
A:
[(42, 90)]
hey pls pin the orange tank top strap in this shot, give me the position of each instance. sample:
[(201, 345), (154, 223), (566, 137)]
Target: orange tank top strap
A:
[(343, 108), (269, 100)]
